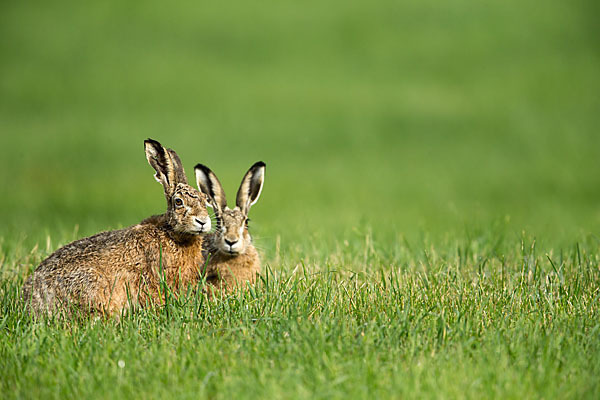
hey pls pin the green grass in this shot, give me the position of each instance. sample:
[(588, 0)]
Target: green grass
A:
[(431, 212), (466, 322)]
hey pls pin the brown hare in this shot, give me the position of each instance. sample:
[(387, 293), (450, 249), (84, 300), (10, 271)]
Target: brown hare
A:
[(232, 259), (110, 271)]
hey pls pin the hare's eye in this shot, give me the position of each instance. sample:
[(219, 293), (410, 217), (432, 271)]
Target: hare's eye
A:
[(247, 221), (178, 202)]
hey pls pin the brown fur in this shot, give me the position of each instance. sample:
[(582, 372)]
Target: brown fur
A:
[(110, 271), (227, 271), (232, 259)]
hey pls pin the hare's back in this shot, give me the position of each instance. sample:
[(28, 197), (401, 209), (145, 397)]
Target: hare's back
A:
[(88, 266), (103, 249)]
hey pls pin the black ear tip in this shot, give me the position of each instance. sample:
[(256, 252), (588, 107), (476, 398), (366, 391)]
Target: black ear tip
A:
[(152, 143), (259, 164), (202, 167)]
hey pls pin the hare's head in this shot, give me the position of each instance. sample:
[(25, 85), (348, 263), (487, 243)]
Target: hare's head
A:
[(186, 206), (232, 235)]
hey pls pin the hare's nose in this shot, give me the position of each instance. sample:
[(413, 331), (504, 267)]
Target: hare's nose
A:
[(199, 222), (230, 242)]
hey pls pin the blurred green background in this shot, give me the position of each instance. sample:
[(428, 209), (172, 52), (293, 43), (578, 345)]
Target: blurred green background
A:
[(402, 119)]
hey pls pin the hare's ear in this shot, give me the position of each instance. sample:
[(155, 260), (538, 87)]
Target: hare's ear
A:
[(161, 161), (178, 171), (209, 184), (251, 187)]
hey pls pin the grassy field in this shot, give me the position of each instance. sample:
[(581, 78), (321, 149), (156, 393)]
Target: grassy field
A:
[(430, 218)]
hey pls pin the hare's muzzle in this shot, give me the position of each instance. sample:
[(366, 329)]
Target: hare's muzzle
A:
[(203, 225)]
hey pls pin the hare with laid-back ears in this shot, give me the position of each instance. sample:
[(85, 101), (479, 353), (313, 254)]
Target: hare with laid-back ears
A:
[(110, 271), (232, 259)]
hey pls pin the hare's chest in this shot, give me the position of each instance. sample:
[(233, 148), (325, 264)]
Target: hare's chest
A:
[(181, 266), (183, 257)]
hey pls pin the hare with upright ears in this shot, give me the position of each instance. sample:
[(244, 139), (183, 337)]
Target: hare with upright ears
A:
[(232, 259), (110, 271)]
